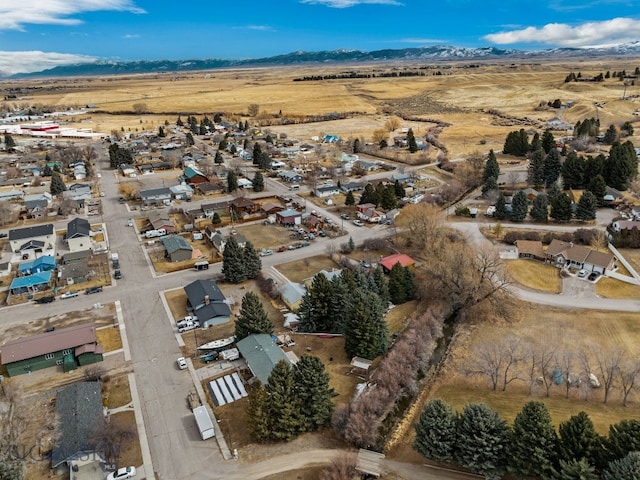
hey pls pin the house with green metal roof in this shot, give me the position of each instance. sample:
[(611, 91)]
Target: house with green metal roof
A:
[(261, 353), (193, 176), (177, 249)]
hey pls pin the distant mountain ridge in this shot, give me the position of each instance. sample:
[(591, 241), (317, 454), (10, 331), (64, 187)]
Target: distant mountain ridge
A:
[(432, 54)]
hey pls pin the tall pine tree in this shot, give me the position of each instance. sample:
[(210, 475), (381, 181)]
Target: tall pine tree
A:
[(251, 259), (436, 432), (285, 417), (233, 267), (540, 209), (313, 392), (253, 318)]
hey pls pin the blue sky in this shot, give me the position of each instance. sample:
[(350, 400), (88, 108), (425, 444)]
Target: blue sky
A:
[(37, 34)]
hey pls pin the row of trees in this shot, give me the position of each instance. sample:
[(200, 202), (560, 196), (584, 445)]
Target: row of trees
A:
[(385, 196), (240, 264), (478, 439), (119, 155), (557, 205), (295, 400), (545, 365)]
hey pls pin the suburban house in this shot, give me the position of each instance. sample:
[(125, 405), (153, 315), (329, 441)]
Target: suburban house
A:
[(37, 204), (368, 166), (31, 241), (271, 207), (78, 192), (242, 206), (156, 196), (209, 188), (245, 183), (193, 176), (68, 347), (36, 282), (326, 191), (73, 273), (45, 263), (219, 242), (177, 249), (389, 262), (159, 219), (290, 176), (568, 255), (221, 208), (13, 194), (620, 225), (207, 302), (78, 235), (289, 217), (181, 192), (530, 249), (368, 212), (352, 187), (79, 414), (127, 169), (291, 294), (262, 354), (81, 256)]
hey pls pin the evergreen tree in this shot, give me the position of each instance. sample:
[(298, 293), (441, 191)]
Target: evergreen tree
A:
[(340, 303), (598, 188), (161, 133), (611, 135), (9, 142), (369, 195), (533, 442), (251, 259), (552, 167), (47, 171), (388, 200), (481, 441), (627, 468), (189, 139), (624, 437), (573, 171), (258, 182), (352, 244), (315, 309), (313, 392), (179, 122), (356, 146), (233, 266), (349, 200), (536, 143), (257, 154), (285, 417), (11, 470), (627, 127), (578, 439), (587, 206), (548, 142), (397, 284), (232, 181), (436, 432), (491, 167), (57, 184), (561, 208), (253, 317), (536, 169), (501, 208), (411, 141), (516, 143), (218, 159), (224, 143), (575, 470), (540, 209), (382, 288), (365, 331), (399, 190), (519, 207), (491, 185), (216, 220)]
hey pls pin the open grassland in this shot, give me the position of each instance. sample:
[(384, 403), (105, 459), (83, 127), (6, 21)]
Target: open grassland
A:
[(480, 105), (535, 275)]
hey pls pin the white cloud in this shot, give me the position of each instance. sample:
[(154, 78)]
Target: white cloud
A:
[(262, 28), (34, 61), (131, 35), (14, 15), (617, 30), (349, 3)]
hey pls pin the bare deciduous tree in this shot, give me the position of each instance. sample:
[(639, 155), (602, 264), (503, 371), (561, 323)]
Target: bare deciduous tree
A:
[(342, 467), (546, 364), (628, 373), (424, 225), (607, 363), (392, 124), (498, 361), (253, 109)]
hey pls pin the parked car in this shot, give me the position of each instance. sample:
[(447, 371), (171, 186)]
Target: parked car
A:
[(116, 264), (266, 253), (283, 248), (344, 216), (3, 235), (117, 275), (48, 299), (130, 223), (182, 363), (122, 473), (70, 294), (582, 273), (358, 223), (91, 290), (593, 276)]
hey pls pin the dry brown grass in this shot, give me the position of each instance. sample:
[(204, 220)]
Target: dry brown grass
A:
[(109, 338), (398, 316), (118, 393), (612, 288), (266, 236), (177, 302), (535, 275), (130, 451), (300, 270)]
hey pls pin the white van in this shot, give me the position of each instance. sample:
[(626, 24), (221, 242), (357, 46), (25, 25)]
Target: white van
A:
[(294, 187)]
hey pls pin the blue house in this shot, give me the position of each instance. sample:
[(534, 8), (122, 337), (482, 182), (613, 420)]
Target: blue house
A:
[(30, 283), (45, 263)]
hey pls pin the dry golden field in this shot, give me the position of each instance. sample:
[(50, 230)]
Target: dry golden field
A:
[(481, 105)]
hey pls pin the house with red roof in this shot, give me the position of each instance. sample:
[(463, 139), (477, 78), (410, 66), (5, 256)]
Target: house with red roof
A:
[(389, 262)]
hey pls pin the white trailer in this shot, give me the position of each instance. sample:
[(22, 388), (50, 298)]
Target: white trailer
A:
[(203, 420)]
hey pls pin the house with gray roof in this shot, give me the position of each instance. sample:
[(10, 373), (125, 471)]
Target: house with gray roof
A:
[(80, 415), (262, 354), (177, 249), (78, 235), (207, 302), (290, 176), (37, 238), (326, 191), (155, 196)]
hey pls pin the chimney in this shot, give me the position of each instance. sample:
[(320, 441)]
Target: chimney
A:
[(206, 299)]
